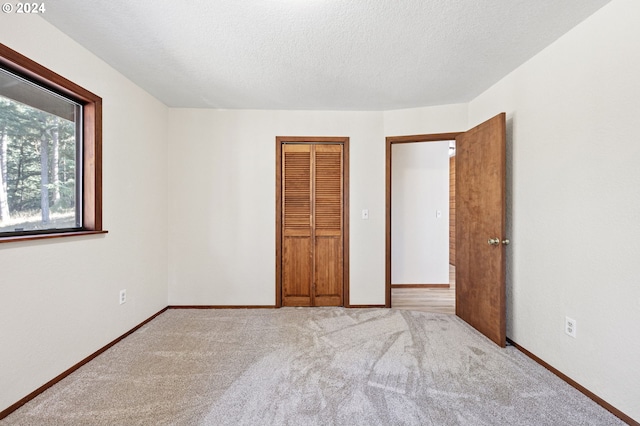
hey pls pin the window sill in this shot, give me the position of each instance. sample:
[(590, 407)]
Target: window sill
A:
[(48, 236)]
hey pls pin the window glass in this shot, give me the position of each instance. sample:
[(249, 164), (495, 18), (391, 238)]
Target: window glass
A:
[(40, 152)]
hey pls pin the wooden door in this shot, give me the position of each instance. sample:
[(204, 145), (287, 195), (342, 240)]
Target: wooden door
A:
[(312, 222), (480, 228)]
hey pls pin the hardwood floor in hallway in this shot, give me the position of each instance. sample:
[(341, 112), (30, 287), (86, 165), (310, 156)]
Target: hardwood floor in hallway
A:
[(438, 300)]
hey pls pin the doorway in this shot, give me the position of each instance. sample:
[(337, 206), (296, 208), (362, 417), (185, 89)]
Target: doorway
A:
[(423, 227), (311, 221), (420, 206)]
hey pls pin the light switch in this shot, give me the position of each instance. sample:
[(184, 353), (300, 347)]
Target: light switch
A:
[(365, 214), (438, 214)]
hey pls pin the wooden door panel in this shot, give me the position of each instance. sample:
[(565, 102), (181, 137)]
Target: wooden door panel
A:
[(328, 271), (328, 216), (297, 264), (297, 241), (480, 215)]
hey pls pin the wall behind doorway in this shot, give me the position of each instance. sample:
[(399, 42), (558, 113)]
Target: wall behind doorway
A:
[(452, 209), (419, 235)]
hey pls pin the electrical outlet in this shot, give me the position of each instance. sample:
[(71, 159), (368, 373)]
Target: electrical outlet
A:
[(570, 326), (123, 296)]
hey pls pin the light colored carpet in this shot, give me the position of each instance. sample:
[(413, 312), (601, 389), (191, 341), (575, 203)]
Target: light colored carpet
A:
[(318, 366)]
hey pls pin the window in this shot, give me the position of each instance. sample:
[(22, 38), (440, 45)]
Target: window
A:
[(40, 145), (50, 153)]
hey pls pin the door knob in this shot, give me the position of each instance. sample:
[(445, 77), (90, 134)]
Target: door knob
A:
[(496, 241)]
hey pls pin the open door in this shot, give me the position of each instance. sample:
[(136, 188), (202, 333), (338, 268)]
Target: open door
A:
[(480, 228)]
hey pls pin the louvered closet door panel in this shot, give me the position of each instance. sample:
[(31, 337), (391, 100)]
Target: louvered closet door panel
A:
[(328, 206), (297, 244)]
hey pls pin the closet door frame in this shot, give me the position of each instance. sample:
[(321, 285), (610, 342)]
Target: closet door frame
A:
[(344, 141)]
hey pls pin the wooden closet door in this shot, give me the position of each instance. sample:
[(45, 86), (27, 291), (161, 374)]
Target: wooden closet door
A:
[(297, 241), (312, 210), (328, 225)]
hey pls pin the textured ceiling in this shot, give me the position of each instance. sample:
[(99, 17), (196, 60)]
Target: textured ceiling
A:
[(316, 54)]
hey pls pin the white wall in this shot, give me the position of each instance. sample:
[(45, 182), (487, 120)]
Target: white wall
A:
[(222, 202), (573, 114), (59, 298), (426, 120), (419, 189)]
